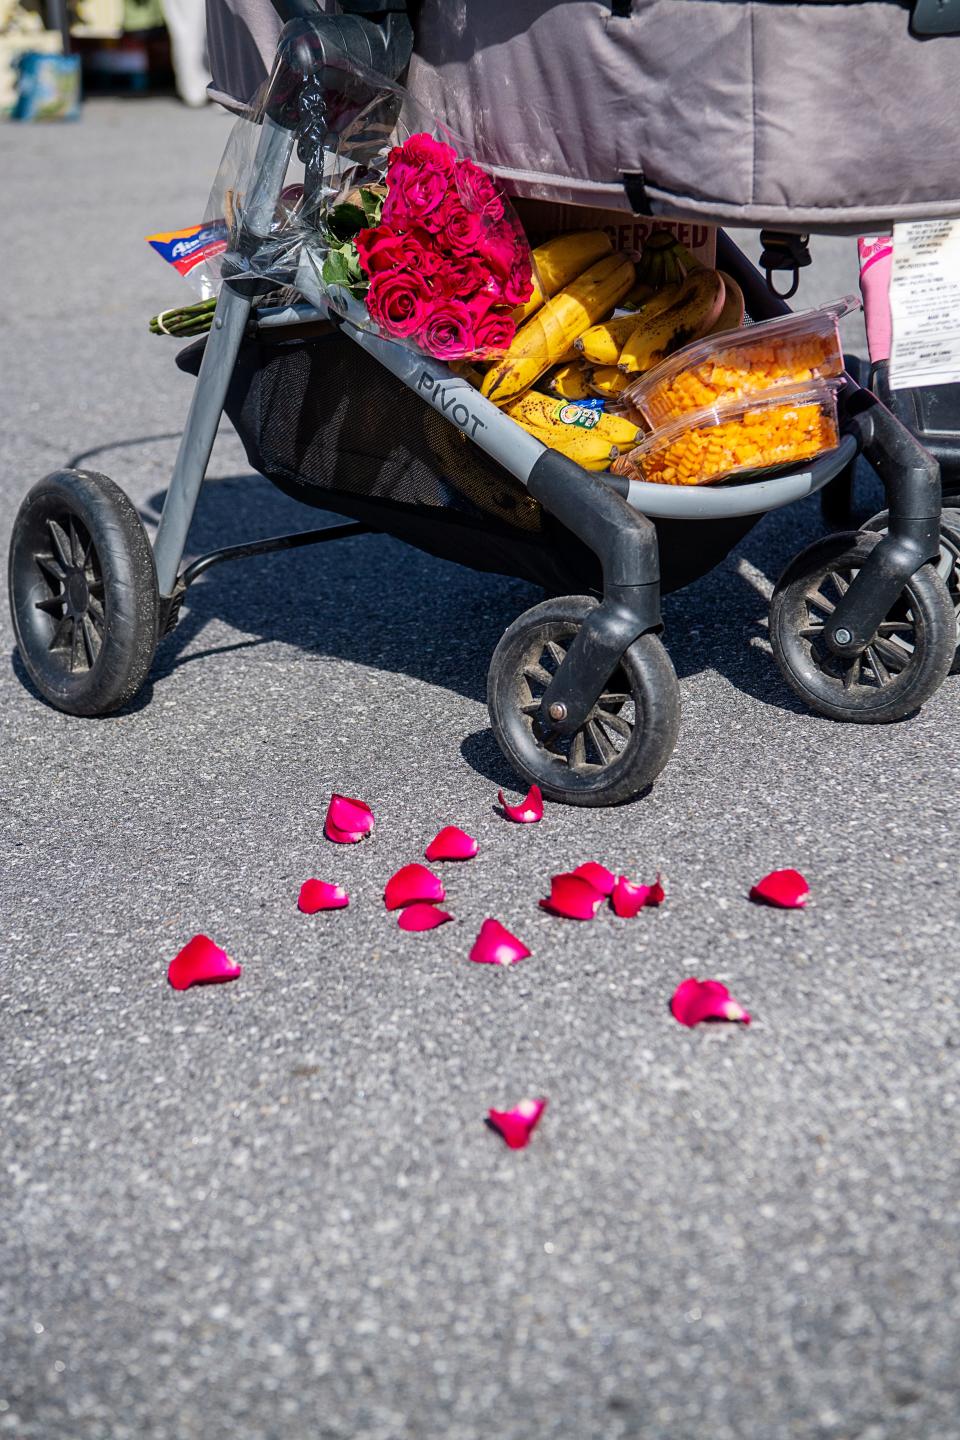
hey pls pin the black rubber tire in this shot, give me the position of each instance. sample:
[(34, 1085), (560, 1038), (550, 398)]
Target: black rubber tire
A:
[(83, 593), (949, 564), (644, 682), (924, 615)]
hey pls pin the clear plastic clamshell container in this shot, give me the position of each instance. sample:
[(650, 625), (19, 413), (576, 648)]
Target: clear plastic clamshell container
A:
[(781, 427), (792, 350)]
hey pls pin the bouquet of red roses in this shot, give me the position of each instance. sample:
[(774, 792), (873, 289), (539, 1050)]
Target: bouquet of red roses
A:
[(439, 259)]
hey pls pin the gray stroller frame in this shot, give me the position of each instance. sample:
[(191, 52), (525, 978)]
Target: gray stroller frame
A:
[(582, 695)]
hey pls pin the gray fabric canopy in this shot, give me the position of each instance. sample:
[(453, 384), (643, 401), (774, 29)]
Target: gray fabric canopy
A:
[(810, 116)]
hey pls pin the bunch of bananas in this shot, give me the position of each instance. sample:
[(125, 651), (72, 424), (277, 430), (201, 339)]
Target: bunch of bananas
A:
[(594, 322)]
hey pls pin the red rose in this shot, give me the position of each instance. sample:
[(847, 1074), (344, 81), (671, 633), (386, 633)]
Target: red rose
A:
[(457, 229), (448, 333), (518, 286), (495, 332), (398, 301), (383, 249), (458, 276), (418, 176), (478, 191)]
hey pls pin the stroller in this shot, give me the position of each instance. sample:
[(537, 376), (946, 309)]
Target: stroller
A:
[(582, 695)]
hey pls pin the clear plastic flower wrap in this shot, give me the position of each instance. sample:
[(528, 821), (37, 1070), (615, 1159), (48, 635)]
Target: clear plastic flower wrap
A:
[(400, 230)]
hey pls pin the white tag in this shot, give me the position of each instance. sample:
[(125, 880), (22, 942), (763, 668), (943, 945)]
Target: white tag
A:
[(925, 304)]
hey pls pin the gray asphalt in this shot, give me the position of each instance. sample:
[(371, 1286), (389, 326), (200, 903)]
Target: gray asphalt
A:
[(272, 1209)]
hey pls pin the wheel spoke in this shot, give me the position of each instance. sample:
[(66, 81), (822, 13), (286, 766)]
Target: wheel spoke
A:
[(610, 701), (97, 612), (538, 674), (879, 669), (62, 634), (61, 544), (556, 652), (852, 675), (604, 747), (91, 640), (52, 606), (842, 585), (895, 627), (578, 751), (615, 723), (76, 546), (76, 646), (810, 632), (894, 657), (821, 602), (51, 568)]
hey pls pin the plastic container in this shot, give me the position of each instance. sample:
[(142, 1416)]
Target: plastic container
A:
[(792, 350), (778, 428)]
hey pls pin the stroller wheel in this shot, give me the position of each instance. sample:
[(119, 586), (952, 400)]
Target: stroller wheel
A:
[(83, 593), (948, 566), (628, 737), (905, 663)]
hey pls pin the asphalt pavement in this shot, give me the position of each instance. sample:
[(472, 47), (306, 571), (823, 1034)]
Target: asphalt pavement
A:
[(271, 1210)]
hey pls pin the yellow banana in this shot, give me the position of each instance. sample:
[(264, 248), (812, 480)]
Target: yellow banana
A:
[(472, 373), (578, 445), (552, 415), (687, 258), (549, 333), (638, 296), (558, 262), (601, 344), (568, 383), (734, 308), (607, 380), (696, 307)]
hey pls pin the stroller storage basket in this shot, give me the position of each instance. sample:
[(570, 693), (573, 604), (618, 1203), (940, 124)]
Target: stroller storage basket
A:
[(331, 427)]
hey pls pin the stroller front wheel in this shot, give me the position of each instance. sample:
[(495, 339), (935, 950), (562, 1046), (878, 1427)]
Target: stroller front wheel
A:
[(907, 659), (627, 738), (83, 593)]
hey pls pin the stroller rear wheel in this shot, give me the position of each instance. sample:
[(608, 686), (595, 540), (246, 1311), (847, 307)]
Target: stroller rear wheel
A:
[(948, 566), (627, 738), (83, 593), (907, 660)]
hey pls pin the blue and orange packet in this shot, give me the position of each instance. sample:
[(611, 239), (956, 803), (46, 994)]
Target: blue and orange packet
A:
[(189, 251)]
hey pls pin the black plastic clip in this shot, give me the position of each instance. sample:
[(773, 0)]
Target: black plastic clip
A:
[(782, 251)]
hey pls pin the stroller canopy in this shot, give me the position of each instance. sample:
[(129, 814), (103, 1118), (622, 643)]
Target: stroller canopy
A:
[(808, 116)]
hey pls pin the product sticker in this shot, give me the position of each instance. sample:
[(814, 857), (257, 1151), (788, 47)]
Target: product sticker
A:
[(925, 304), (580, 415), (186, 249)]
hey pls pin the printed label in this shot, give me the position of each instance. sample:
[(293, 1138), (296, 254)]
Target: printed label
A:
[(925, 304), (185, 249), (580, 415)]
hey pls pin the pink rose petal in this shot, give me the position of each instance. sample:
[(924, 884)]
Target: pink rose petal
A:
[(629, 899), (317, 895), (517, 1125), (200, 962), (530, 809), (422, 917), (787, 889), (452, 844), (572, 897), (412, 883), (598, 876), (348, 821), (698, 1000), (496, 946)]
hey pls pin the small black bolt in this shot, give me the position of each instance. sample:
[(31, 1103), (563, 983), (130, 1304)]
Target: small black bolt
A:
[(558, 712)]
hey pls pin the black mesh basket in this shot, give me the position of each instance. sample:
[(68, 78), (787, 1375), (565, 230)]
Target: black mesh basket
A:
[(329, 425)]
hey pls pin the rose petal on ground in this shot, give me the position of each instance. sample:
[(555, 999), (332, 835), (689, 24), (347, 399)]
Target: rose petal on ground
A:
[(451, 844), (598, 876), (787, 889), (422, 917), (698, 1000), (410, 884), (517, 1125), (530, 809), (348, 821), (317, 895), (496, 946), (572, 897), (629, 899), (200, 962)]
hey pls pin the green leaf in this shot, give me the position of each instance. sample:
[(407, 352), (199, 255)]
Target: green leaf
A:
[(335, 269), (346, 221), (372, 206)]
